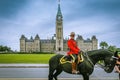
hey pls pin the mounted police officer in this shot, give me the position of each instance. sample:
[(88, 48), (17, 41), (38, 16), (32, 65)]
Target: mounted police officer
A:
[(73, 51), (117, 66)]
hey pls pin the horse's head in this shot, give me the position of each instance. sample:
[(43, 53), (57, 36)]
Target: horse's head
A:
[(110, 62)]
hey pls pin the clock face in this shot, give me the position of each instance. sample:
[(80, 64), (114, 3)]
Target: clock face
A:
[(59, 18)]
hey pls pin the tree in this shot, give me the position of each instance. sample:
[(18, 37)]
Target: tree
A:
[(103, 45), (118, 49), (112, 48), (5, 48)]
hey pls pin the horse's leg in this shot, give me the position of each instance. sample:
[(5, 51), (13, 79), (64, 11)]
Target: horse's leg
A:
[(51, 71), (50, 76), (58, 71), (85, 77)]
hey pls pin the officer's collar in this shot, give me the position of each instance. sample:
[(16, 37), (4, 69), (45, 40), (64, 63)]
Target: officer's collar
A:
[(71, 39)]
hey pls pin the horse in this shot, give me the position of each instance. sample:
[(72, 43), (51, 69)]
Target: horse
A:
[(86, 67)]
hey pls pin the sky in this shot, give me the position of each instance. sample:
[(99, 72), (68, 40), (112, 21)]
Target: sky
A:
[(84, 17)]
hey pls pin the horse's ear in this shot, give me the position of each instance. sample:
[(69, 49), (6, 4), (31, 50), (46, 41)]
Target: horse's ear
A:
[(116, 54)]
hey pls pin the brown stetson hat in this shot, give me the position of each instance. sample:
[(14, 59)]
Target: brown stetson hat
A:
[(72, 33)]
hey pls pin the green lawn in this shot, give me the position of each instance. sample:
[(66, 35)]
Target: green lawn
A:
[(25, 58)]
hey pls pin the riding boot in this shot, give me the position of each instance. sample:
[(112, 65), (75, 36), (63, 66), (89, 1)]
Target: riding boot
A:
[(74, 68), (79, 58)]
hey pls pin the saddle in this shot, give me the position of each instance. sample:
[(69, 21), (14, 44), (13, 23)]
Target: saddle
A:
[(67, 59)]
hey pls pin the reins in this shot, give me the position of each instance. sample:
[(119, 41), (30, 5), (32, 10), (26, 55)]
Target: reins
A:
[(89, 59), (102, 66)]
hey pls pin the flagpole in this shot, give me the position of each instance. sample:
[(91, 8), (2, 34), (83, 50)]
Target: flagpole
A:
[(58, 1)]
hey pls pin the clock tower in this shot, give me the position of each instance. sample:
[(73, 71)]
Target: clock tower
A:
[(59, 29)]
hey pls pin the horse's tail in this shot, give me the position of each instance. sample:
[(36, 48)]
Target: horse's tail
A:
[(53, 64)]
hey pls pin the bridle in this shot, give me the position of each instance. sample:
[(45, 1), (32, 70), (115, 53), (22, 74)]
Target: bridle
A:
[(108, 65)]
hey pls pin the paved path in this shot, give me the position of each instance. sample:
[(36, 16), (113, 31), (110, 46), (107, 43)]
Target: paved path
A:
[(59, 79), (26, 66), (40, 72), (23, 65)]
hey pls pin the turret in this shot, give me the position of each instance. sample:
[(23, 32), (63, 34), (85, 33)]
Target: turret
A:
[(79, 37), (94, 43), (23, 43), (37, 43), (80, 41), (37, 37)]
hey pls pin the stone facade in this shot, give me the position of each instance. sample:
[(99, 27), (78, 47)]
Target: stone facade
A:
[(49, 45), (55, 44), (30, 45), (87, 45)]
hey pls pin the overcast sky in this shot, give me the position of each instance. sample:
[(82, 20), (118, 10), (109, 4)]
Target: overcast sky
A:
[(84, 17)]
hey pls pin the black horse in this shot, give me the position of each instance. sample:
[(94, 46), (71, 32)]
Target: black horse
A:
[(86, 67)]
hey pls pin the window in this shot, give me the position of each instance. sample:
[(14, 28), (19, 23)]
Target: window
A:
[(59, 42)]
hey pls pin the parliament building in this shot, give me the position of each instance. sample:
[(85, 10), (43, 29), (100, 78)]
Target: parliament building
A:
[(57, 42)]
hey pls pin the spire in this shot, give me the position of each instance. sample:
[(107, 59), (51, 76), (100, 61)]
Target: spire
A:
[(22, 37), (37, 37), (59, 10), (58, 1), (93, 37), (31, 38)]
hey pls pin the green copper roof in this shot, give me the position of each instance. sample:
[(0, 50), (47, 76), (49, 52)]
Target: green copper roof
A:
[(59, 11), (37, 37)]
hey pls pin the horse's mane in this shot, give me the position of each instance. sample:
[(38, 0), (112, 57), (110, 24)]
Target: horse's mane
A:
[(100, 51)]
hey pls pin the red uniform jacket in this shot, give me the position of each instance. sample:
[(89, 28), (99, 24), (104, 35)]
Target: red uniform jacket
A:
[(73, 48)]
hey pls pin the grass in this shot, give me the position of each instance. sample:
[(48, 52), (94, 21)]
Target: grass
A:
[(25, 58)]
